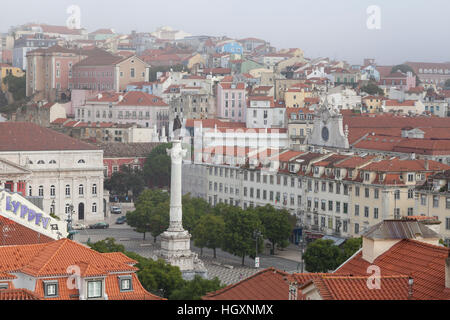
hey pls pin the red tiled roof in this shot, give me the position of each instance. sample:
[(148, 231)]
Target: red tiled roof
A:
[(139, 98), (425, 263), (17, 294), (227, 86), (60, 121), (397, 165), (268, 284), (289, 155), (333, 287), (27, 136), (7, 276), (14, 233), (395, 103)]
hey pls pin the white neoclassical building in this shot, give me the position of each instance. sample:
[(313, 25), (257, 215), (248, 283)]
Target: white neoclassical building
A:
[(66, 173)]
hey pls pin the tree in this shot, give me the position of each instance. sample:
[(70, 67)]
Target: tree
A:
[(193, 210), (107, 245), (322, 256), (238, 237), (404, 68), (127, 179), (151, 213), (349, 248), (372, 89), (277, 225), (196, 289), (157, 166), (209, 232), (16, 86)]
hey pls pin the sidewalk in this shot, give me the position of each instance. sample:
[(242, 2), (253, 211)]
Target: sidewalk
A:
[(291, 252)]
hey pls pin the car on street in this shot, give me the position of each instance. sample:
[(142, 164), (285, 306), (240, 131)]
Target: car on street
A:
[(78, 226), (99, 225), (116, 210), (121, 220)]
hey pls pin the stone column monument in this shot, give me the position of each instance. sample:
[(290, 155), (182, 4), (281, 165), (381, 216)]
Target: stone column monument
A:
[(175, 242)]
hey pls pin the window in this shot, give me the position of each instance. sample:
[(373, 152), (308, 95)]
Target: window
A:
[(338, 206), (410, 177), (357, 191), (67, 190), (375, 213), (41, 191), (410, 211), (447, 203), (447, 223), (330, 205), (356, 228), (94, 289), (366, 212), (51, 289), (376, 193), (435, 201), (30, 191), (94, 208), (41, 162), (81, 161), (94, 189), (356, 209), (52, 190), (81, 190), (52, 162), (125, 284), (345, 207)]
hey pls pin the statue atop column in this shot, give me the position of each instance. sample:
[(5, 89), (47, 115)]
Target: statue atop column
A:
[(175, 242)]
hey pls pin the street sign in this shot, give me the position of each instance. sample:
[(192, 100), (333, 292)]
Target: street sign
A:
[(257, 262)]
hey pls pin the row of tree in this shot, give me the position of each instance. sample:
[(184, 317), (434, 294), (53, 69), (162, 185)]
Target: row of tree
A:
[(324, 255), (161, 278), (227, 227), (156, 173)]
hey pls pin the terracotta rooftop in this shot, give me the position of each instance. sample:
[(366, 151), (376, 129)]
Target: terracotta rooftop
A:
[(17, 294), (424, 262), (27, 136), (333, 287), (268, 284), (126, 150), (14, 233)]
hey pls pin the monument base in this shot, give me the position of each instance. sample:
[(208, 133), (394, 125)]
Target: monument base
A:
[(175, 249)]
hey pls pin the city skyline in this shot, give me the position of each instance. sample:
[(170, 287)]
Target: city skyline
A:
[(304, 25)]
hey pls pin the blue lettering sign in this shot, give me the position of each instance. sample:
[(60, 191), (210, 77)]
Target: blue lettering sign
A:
[(31, 215), (45, 222), (23, 211)]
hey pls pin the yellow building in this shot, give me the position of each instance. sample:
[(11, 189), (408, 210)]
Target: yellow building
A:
[(6, 70), (295, 96), (372, 104)]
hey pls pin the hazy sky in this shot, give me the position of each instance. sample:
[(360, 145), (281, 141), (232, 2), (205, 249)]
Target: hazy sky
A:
[(415, 30)]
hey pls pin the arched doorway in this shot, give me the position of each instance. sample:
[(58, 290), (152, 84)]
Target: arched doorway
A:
[(81, 211)]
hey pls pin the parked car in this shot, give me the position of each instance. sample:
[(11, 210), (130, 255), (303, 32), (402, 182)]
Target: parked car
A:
[(99, 225), (78, 226), (116, 210), (121, 220)]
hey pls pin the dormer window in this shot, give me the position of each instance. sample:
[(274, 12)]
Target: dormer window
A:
[(316, 169), (51, 289), (125, 283), (366, 176), (81, 161)]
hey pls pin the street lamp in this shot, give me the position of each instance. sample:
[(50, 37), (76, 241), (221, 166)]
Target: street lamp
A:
[(256, 235), (70, 213), (302, 245)]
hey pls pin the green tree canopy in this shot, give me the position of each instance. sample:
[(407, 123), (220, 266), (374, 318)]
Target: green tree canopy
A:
[(404, 68), (107, 245), (125, 180), (240, 225), (277, 225), (151, 213), (349, 248), (157, 166), (196, 289), (322, 256), (209, 232), (16, 86), (193, 210), (372, 89)]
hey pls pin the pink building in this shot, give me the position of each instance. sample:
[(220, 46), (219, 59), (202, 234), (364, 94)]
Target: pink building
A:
[(231, 101)]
